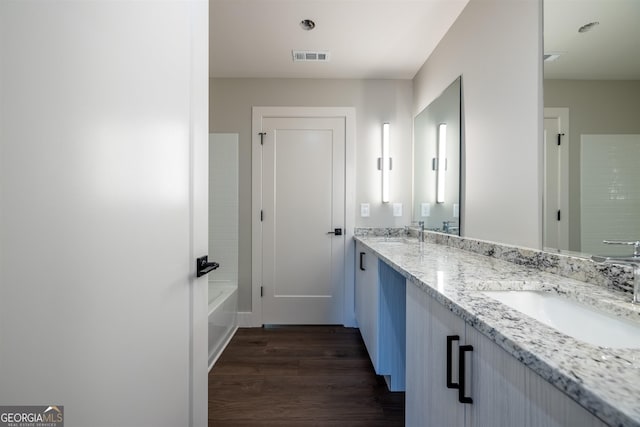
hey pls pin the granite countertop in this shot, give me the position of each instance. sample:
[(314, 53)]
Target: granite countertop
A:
[(606, 381)]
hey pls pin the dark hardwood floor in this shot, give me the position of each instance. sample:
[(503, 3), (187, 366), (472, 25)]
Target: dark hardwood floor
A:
[(300, 376)]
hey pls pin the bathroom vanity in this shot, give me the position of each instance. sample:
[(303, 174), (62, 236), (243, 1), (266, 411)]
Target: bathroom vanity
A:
[(472, 360)]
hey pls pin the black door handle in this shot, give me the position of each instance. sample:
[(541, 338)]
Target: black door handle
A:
[(203, 266), (336, 232), (450, 340), (361, 261), (461, 368)]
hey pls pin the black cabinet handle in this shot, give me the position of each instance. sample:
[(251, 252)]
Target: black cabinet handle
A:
[(461, 368), (361, 261), (450, 340)]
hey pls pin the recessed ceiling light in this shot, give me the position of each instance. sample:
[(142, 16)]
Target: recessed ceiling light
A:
[(307, 24), (588, 27)]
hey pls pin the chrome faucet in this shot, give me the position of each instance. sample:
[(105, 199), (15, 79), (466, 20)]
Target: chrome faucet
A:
[(633, 260)]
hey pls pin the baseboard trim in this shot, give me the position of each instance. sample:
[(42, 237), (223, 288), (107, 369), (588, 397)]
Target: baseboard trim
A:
[(247, 319), (222, 347)]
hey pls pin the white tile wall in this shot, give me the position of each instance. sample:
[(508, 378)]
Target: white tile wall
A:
[(223, 207), (610, 192)]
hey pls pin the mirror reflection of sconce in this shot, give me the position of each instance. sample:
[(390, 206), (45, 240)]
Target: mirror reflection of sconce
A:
[(437, 142), (440, 163), (384, 163)]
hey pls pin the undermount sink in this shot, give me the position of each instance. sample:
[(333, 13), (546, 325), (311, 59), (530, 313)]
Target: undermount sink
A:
[(572, 318)]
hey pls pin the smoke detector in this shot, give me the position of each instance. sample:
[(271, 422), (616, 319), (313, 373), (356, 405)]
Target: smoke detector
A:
[(310, 56)]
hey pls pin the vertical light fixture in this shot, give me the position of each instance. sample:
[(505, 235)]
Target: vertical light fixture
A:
[(385, 163), (442, 162)]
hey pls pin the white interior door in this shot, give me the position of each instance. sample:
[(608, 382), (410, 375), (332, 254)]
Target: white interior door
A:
[(303, 178), (556, 178), (103, 192)]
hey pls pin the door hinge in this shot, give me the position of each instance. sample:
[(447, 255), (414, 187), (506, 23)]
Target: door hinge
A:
[(560, 135), (261, 215), (558, 215), (262, 134), (261, 291)]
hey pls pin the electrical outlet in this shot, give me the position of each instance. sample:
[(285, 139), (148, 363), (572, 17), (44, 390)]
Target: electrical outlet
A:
[(364, 209), (397, 209), (425, 209)]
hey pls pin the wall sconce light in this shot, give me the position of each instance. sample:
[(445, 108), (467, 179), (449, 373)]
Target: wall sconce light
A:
[(441, 162), (384, 163)]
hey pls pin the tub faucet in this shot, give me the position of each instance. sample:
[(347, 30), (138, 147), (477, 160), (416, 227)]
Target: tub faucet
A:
[(633, 261)]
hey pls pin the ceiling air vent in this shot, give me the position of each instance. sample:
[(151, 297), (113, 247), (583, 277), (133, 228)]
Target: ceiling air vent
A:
[(310, 56)]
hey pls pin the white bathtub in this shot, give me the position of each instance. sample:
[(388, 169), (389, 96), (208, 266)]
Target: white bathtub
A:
[(223, 313)]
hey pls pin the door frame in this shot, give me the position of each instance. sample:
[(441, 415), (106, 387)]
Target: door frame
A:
[(561, 114), (258, 114)]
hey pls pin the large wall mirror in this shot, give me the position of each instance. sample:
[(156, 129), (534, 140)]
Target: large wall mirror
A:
[(436, 163), (592, 124)]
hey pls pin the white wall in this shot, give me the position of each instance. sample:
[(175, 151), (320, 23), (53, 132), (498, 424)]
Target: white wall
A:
[(376, 101), (496, 46)]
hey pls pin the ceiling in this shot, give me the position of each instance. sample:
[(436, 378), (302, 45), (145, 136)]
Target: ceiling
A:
[(383, 39), (611, 50), (391, 39)]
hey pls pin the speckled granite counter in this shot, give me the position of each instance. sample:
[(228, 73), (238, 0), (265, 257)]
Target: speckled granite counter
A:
[(603, 380)]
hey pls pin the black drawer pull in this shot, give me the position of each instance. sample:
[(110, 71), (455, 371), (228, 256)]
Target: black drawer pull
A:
[(461, 368), (450, 340), (362, 261)]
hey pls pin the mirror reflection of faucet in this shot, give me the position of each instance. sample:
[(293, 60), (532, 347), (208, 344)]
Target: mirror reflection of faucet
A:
[(449, 227), (633, 260), (421, 231)]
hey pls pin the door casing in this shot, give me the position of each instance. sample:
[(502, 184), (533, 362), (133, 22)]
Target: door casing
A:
[(560, 228), (254, 318)]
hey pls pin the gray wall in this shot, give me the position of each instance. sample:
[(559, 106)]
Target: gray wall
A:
[(375, 101), (595, 107), (496, 46)]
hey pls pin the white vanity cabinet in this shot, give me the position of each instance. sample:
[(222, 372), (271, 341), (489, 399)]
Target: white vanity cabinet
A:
[(367, 290), (495, 382), (504, 392), (428, 400)]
